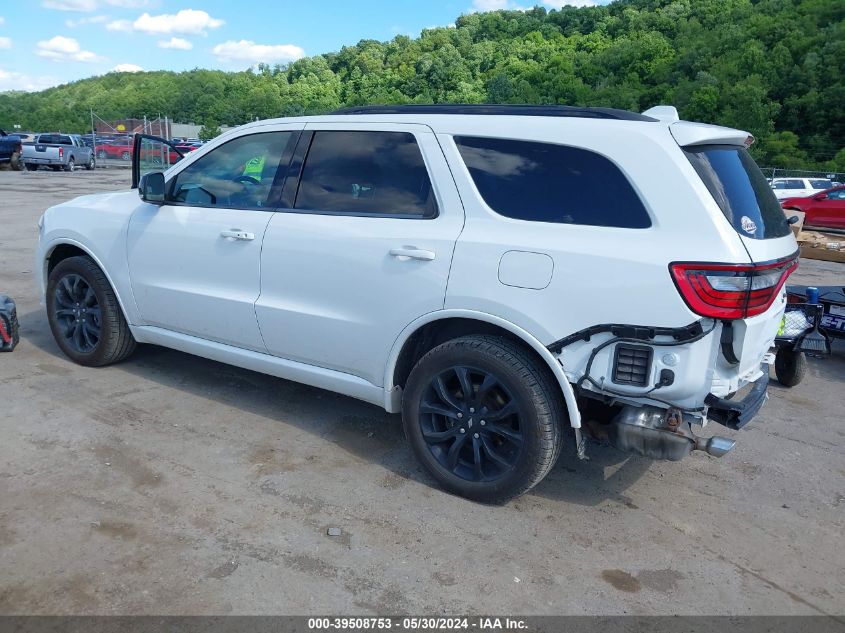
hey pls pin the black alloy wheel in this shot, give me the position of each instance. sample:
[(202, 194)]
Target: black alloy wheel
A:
[(471, 423), (77, 313), (484, 416)]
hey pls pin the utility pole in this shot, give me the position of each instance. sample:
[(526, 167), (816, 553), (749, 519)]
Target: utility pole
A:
[(93, 134)]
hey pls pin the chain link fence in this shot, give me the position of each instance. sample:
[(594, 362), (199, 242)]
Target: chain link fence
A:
[(777, 172)]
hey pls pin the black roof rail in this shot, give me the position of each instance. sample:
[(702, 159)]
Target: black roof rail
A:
[(500, 110)]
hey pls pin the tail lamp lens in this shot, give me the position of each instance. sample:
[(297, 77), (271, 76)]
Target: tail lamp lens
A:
[(61, 152), (731, 291)]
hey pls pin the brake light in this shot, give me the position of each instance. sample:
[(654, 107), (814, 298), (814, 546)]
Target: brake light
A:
[(731, 291), (61, 152)]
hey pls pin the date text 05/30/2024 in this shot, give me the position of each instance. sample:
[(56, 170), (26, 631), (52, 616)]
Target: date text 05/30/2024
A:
[(417, 624)]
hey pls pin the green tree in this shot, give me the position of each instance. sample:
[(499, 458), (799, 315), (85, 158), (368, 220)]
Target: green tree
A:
[(209, 130)]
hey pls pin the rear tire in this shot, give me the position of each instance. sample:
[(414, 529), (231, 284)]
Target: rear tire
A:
[(126, 156), (71, 164), (90, 164), (15, 162), (790, 366), (503, 438), (85, 316)]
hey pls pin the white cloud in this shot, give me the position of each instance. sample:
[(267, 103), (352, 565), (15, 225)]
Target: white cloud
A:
[(119, 25), (177, 43), (252, 53), (62, 48), (10, 80), (127, 68), (5, 43), (129, 4), (70, 5), (189, 21), (97, 19)]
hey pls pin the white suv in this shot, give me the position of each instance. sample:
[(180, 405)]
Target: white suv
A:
[(799, 187), (494, 273)]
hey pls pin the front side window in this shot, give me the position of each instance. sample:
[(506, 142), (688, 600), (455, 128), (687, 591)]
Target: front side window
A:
[(366, 173), (238, 174), (545, 182)]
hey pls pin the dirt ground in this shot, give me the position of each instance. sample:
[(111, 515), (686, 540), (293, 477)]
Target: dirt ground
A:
[(170, 484)]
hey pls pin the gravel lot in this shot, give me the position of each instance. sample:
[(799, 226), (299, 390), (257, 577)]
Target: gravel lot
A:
[(170, 484)]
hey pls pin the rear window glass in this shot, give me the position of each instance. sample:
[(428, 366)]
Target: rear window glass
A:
[(740, 190), (544, 182), (55, 139)]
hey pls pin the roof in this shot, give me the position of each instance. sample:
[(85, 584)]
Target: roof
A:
[(500, 110)]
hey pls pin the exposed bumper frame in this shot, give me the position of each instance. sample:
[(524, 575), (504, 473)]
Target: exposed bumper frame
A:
[(735, 414)]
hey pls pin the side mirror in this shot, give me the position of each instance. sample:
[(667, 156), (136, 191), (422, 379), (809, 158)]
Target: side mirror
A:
[(151, 187), (821, 196), (793, 220)]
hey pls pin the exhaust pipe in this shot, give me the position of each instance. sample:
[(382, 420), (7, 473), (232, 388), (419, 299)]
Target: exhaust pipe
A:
[(717, 446)]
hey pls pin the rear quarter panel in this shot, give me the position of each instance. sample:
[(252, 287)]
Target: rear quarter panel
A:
[(600, 275)]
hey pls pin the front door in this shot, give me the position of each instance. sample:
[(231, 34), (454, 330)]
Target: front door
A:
[(363, 248), (194, 261)]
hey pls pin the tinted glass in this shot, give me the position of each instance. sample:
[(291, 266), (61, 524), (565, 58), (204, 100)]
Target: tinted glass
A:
[(55, 139), (740, 190), (821, 184), (542, 182), (378, 173), (839, 194), (238, 174)]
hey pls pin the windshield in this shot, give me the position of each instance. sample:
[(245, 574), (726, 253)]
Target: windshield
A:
[(740, 190)]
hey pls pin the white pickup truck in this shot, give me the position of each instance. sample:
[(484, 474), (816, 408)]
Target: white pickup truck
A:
[(59, 151)]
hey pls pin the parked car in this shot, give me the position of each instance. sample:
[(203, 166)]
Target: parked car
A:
[(506, 277), (825, 209), (10, 150), (799, 187), (58, 151), (120, 148)]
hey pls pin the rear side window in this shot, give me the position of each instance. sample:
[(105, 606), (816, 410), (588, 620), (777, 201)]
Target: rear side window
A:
[(366, 173), (544, 182), (821, 183), (740, 190)]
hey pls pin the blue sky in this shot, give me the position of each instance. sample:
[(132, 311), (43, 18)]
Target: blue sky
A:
[(48, 42)]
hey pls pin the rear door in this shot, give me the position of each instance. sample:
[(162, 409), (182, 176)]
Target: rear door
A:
[(362, 247)]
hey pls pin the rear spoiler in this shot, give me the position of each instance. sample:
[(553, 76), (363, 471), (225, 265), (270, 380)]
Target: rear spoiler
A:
[(687, 133)]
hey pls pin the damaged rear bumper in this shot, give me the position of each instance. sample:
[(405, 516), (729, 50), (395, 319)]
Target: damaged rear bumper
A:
[(735, 414)]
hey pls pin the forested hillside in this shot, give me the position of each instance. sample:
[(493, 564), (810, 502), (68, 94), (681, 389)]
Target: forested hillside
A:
[(773, 67)]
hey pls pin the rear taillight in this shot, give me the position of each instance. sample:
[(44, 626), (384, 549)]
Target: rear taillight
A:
[(61, 152), (731, 291)]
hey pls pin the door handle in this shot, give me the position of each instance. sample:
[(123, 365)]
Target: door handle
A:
[(412, 253), (237, 234)]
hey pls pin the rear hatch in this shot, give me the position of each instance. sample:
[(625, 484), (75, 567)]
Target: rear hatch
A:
[(721, 159)]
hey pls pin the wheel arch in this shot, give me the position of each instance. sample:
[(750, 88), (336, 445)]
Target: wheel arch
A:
[(434, 328), (66, 248)]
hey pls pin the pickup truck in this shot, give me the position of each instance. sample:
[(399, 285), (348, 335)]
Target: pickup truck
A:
[(59, 151), (10, 150)]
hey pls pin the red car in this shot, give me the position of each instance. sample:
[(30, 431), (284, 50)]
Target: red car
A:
[(825, 209), (121, 149)]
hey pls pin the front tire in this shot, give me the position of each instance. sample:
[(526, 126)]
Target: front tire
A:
[(84, 315), (790, 366), (483, 417)]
